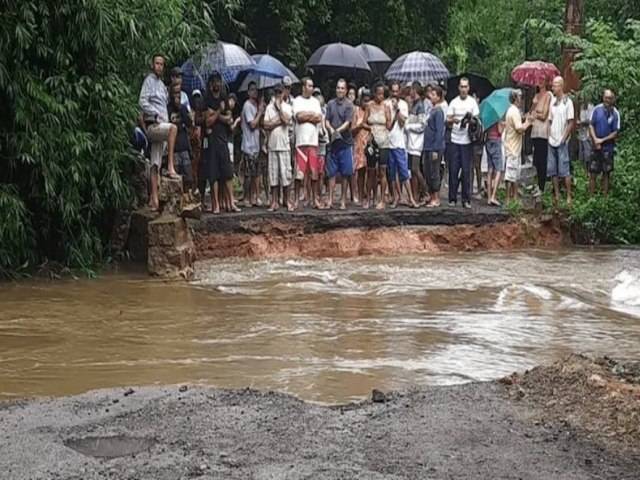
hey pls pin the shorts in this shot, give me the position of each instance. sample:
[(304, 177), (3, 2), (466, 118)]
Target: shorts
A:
[(251, 164), (377, 157), (280, 173), (416, 162), (398, 164), (158, 134), (495, 161), (307, 158), (585, 151), (217, 164), (601, 162), (558, 164), (340, 162), (512, 168)]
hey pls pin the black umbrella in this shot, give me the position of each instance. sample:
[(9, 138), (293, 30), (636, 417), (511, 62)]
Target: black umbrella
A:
[(377, 59), (338, 56), (480, 85)]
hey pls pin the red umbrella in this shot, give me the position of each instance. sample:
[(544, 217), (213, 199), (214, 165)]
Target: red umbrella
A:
[(532, 73)]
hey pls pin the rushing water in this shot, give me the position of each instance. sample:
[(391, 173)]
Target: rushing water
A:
[(325, 330)]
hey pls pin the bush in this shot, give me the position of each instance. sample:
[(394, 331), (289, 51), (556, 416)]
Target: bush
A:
[(70, 74)]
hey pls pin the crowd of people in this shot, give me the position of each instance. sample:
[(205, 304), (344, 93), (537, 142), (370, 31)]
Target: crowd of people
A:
[(388, 145)]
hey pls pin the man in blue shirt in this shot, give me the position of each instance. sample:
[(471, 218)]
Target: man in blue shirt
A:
[(604, 129)]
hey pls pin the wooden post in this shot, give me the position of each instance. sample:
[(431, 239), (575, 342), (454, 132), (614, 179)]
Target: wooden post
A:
[(573, 13)]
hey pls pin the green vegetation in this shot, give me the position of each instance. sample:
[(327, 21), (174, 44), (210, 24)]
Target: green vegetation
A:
[(70, 72)]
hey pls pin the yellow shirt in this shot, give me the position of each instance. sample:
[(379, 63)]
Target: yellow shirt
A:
[(512, 137)]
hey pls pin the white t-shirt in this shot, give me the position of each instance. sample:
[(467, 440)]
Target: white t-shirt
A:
[(396, 135), (279, 136), (560, 113), (306, 133), (458, 108)]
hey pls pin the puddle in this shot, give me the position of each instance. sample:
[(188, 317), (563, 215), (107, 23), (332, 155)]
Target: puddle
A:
[(109, 447)]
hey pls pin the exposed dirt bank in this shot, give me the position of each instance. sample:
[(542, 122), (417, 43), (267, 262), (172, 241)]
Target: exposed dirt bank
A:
[(495, 430), (277, 238)]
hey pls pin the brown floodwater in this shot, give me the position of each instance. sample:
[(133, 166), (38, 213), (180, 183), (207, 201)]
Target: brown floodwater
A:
[(324, 330)]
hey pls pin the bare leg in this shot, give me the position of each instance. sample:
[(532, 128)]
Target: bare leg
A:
[(275, 201), (230, 202), (412, 200), (567, 184), (372, 181), (154, 202), (355, 193), (556, 190), (332, 187), (345, 182), (214, 197), (382, 174), (171, 146), (362, 194), (296, 193)]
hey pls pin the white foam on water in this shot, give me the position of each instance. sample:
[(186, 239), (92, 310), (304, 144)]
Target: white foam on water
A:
[(627, 289)]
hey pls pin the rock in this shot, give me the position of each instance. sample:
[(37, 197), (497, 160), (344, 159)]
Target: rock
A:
[(378, 397), (506, 380), (597, 381), (167, 231), (191, 210), (183, 388), (169, 188), (129, 391)]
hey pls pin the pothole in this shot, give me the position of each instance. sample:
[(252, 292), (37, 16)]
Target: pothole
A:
[(109, 447)]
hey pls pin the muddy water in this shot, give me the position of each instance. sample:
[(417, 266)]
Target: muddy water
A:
[(325, 330)]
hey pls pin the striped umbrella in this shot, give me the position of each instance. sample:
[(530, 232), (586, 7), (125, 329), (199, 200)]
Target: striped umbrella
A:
[(420, 67), (226, 58)]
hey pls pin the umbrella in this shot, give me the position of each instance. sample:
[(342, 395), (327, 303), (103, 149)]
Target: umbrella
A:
[(481, 86), (378, 61), (267, 72), (226, 58), (338, 56), (493, 108), (532, 73), (422, 67)]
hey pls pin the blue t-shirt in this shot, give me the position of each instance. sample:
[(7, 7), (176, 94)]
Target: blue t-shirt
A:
[(605, 122)]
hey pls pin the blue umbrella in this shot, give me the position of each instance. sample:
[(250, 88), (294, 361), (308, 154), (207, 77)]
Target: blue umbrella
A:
[(493, 108), (420, 67), (267, 72), (226, 58)]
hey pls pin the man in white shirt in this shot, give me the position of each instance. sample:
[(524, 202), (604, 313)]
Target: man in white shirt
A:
[(308, 115), (561, 116), (277, 121), (461, 110), (513, 132), (398, 158)]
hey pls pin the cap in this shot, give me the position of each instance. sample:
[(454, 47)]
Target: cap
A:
[(317, 91), (286, 81), (176, 71), (196, 92), (278, 87)]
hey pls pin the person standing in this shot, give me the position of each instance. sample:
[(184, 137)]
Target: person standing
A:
[(307, 115), (434, 146), (216, 160), (495, 161), (378, 117), (415, 133), (540, 134), (252, 113), (604, 130), (585, 144), (277, 120), (180, 117), (362, 137), (398, 160), (176, 77), (461, 110), (154, 100), (560, 126), (513, 131), (339, 118)]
